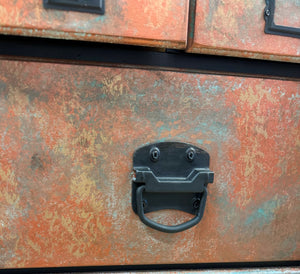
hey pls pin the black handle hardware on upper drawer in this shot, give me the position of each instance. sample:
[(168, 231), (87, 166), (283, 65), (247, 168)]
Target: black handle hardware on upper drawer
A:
[(170, 175), (90, 6), (272, 28)]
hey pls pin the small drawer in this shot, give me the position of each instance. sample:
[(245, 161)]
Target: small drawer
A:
[(68, 134), (161, 23), (238, 28)]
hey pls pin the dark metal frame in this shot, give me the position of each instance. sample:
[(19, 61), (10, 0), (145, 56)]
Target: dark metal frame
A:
[(90, 6), (272, 28), (97, 54)]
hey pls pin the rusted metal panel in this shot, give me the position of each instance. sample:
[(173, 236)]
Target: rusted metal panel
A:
[(160, 23), (236, 28), (67, 137)]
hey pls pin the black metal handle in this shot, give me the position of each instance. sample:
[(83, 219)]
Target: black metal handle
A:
[(166, 228), (170, 175), (90, 6)]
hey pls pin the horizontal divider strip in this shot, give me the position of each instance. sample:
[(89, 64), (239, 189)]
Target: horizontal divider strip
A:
[(158, 267), (92, 53)]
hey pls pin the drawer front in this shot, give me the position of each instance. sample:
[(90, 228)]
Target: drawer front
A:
[(236, 28), (67, 138), (161, 23)]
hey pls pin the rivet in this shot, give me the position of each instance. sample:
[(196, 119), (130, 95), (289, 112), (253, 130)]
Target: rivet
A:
[(145, 203), (190, 154), (154, 154), (196, 203)]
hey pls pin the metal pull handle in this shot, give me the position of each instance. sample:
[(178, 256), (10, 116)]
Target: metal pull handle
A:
[(90, 6), (166, 228), (170, 175)]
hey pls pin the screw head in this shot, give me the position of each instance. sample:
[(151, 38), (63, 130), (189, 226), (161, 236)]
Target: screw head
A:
[(196, 203), (190, 154), (154, 154), (267, 12), (145, 203)]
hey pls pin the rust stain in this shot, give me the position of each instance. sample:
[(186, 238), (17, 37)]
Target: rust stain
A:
[(36, 162), (66, 145)]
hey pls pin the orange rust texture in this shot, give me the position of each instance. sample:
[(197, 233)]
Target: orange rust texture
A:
[(236, 28), (160, 23), (67, 136)]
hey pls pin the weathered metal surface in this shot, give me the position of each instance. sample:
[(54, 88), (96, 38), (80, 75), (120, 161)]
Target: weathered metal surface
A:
[(160, 23), (287, 13), (67, 137), (236, 28)]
